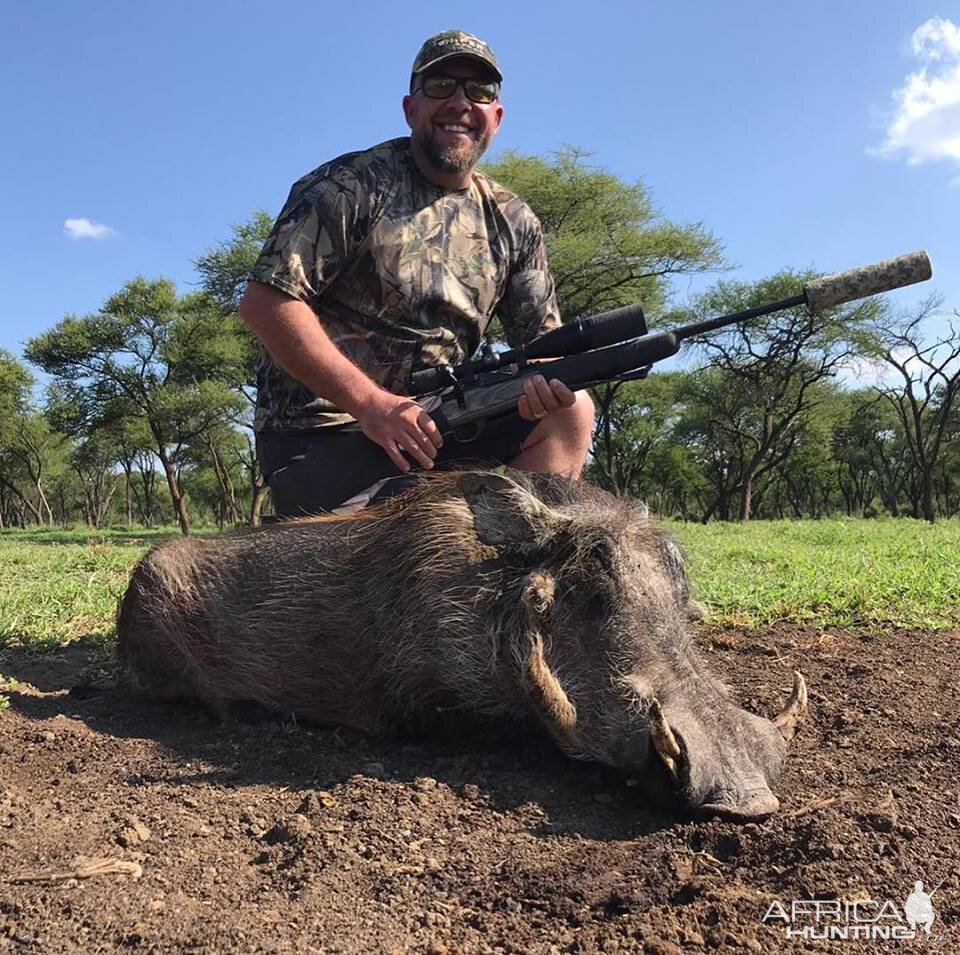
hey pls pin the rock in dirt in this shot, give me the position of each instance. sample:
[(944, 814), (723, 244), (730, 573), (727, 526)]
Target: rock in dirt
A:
[(133, 833), (883, 817), (295, 828), (659, 946)]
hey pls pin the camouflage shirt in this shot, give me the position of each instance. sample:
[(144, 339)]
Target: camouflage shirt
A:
[(402, 274)]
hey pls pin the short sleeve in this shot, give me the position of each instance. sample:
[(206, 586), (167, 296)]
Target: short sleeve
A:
[(313, 236)]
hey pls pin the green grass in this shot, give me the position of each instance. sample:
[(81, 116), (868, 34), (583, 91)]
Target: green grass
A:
[(901, 573), (58, 585)]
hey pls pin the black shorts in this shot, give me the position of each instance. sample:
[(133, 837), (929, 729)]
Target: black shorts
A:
[(339, 468)]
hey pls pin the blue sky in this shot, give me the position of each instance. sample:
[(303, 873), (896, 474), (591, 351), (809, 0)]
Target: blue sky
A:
[(816, 134)]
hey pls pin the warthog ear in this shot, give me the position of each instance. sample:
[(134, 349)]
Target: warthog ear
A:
[(546, 694), (508, 515)]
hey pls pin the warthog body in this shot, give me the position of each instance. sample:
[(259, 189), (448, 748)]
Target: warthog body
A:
[(505, 596)]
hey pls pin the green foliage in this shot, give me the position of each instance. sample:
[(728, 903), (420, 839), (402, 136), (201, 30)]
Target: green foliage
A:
[(607, 243), (636, 421), (15, 387), (151, 355), (224, 268)]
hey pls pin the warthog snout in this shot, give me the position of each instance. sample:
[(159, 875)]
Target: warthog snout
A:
[(512, 596)]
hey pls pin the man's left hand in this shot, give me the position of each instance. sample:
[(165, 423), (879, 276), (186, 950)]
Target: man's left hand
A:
[(541, 397)]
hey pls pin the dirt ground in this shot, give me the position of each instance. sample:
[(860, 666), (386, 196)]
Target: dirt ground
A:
[(272, 837)]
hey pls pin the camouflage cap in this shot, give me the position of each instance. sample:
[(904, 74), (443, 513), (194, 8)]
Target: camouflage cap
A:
[(450, 43)]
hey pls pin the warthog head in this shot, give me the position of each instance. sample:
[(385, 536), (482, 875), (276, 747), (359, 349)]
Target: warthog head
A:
[(607, 656)]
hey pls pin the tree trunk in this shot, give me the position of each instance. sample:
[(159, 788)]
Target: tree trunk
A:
[(260, 492), (927, 496), (175, 494), (127, 496), (746, 499), (26, 502)]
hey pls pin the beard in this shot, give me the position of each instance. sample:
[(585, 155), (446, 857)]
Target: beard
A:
[(450, 159)]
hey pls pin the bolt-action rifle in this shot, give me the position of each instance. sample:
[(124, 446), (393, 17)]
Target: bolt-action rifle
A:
[(616, 346)]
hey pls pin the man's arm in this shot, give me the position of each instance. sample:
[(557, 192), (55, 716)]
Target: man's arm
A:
[(296, 340)]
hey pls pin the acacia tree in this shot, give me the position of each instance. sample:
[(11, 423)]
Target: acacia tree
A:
[(224, 269), (607, 243), (16, 384), (926, 394), (218, 453), (608, 246), (31, 449), (869, 454), (772, 366), (93, 461), (629, 434), (146, 353)]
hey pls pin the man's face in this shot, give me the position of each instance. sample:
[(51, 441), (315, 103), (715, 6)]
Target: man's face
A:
[(451, 134)]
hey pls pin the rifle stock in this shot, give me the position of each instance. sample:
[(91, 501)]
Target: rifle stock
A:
[(494, 399)]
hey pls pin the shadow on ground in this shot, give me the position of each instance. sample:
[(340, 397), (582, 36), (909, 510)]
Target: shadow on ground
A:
[(512, 766)]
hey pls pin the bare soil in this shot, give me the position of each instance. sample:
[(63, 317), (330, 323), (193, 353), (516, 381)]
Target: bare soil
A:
[(127, 825)]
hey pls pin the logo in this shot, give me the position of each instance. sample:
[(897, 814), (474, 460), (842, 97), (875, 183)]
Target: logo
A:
[(856, 919)]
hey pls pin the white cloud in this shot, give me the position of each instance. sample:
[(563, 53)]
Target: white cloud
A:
[(926, 119), (859, 372), (86, 229)]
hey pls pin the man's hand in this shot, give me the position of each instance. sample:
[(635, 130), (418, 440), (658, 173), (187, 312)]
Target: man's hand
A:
[(401, 427), (540, 397)]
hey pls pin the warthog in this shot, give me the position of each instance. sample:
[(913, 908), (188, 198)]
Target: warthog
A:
[(511, 596)]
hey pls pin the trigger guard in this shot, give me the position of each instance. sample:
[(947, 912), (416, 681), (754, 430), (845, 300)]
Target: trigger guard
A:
[(469, 432)]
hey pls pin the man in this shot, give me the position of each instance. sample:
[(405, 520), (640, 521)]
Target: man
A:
[(386, 261)]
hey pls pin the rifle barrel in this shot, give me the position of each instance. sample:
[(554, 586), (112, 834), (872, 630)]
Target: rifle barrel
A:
[(699, 328)]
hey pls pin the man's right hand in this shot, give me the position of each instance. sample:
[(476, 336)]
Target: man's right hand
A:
[(290, 332), (401, 427)]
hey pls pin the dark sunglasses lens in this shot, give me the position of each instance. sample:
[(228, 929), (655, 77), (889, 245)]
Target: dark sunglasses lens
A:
[(443, 87), (438, 87), (479, 91)]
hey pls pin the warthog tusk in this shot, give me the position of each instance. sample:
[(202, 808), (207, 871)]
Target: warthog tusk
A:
[(788, 719), (664, 742)]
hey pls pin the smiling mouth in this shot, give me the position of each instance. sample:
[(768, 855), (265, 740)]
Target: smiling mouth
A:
[(455, 128)]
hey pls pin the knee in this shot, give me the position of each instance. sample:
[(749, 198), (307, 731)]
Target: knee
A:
[(574, 425), (584, 409), (580, 417)]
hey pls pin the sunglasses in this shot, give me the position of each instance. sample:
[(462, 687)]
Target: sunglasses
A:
[(483, 92)]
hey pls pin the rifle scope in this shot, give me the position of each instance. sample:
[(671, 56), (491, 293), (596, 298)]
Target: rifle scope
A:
[(573, 338)]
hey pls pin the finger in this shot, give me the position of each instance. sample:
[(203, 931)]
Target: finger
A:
[(562, 393), (545, 393), (425, 445), (413, 450), (393, 451), (429, 427), (534, 402)]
